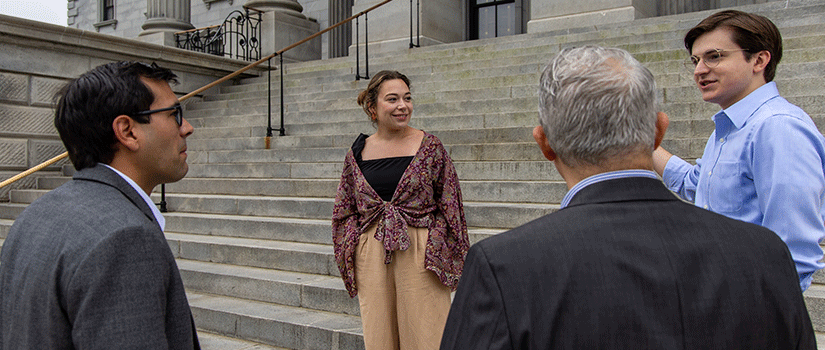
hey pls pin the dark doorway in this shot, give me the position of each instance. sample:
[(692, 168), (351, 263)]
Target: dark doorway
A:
[(493, 18)]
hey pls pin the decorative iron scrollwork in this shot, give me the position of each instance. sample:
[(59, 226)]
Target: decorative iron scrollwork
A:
[(237, 37)]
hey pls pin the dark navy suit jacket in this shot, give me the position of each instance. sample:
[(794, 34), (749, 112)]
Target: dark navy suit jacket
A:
[(629, 266)]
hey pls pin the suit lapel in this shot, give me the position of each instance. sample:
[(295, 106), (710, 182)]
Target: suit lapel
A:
[(101, 174), (623, 190)]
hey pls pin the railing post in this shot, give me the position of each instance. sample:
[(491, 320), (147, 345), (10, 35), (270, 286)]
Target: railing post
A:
[(357, 51), (283, 129), (417, 25), (162, 203), (366, 49), (268, 103)]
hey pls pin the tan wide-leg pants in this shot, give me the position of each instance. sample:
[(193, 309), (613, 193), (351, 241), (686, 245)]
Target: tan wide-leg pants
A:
[(403, 305)]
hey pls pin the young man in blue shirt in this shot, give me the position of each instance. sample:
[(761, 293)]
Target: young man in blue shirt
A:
[(764, 161)]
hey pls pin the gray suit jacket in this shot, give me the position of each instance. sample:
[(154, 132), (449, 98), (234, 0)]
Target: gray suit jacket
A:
[(87, 267), (628, 266)]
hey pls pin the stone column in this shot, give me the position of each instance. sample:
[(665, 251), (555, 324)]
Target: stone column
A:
[(287, 7), (163, 19), (283, 25), (389, 25), (549, 15)]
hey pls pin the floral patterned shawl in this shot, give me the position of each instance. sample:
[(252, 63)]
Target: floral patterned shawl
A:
[(428, 195)]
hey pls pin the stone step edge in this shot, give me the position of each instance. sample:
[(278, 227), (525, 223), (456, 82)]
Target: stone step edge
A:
[(295, 287), (244, 313)]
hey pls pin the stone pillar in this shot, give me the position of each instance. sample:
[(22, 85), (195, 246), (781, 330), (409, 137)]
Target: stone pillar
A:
[(163, 19), (287, 7), (550, 15), (389, 25), (283, 25)]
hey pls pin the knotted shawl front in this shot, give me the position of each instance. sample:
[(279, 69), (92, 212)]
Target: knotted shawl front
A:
[(428, 195)]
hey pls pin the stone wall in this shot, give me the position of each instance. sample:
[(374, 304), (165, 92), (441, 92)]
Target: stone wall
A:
[(37, 59)]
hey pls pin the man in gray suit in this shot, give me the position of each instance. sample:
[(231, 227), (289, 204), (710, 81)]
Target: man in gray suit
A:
[(624, 264), (87, 265)]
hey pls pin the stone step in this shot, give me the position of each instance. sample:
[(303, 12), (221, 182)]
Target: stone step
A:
[(792, 88), (273, 324), (473, 190), (527, 200), (476, 151), (815, 301), (265, 252), (9, 212), (671, 25), (514, 170), (316, 292), (250, 118), (5, 225), (699, 126), (796, 63), (346, 111), (211, 341), (666, 41)]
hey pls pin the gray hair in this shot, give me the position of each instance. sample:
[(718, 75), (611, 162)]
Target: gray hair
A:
[(596, 105)]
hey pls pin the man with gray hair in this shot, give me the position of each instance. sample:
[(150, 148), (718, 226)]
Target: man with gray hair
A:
[(623, 264)]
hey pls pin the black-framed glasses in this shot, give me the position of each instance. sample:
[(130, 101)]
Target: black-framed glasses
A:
[(178, 112), (711, 58)]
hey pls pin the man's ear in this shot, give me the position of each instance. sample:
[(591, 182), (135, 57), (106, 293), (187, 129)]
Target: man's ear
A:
[(541, 140), (662, 122), (762, 59), (125, 132)]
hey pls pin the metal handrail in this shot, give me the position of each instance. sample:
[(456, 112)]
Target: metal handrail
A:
[(212, 84)]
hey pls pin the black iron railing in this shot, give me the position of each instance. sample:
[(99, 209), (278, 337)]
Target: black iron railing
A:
[(366, 75), (417, 25), (237, 37)]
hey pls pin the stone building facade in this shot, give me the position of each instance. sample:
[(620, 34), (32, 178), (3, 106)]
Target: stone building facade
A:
[(440, 21)]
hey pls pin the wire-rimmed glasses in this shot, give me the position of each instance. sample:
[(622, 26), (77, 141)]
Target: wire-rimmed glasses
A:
[(710, 58)]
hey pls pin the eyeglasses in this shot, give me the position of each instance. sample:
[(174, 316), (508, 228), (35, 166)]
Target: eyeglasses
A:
[(711, 58), (178, 112)]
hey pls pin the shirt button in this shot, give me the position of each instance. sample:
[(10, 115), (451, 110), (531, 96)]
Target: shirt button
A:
[(710, 173), (705, 206), (722, 140)]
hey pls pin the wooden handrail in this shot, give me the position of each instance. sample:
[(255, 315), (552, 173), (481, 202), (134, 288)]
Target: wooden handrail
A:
[(197, 29), (33, 170), (206, 87)]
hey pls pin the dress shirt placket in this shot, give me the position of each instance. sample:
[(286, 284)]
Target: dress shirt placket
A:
[(718, 140)]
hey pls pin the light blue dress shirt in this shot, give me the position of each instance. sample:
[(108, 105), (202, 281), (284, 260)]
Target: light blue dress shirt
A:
[(619, 174), (765, 164)]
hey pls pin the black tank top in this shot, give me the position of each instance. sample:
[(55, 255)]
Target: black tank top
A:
[(382, 174)]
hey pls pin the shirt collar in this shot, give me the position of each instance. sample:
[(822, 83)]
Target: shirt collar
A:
[(739, 112), (155, 211), (611, 175)]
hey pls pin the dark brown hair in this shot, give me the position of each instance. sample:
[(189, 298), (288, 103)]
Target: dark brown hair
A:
[(753, 33), (368, 97), (88, 105)]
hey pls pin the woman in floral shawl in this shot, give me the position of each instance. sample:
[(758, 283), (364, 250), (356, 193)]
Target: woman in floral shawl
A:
[(398, 224)]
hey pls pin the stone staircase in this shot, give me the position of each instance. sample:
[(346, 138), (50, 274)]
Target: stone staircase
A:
[(250, 227)]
